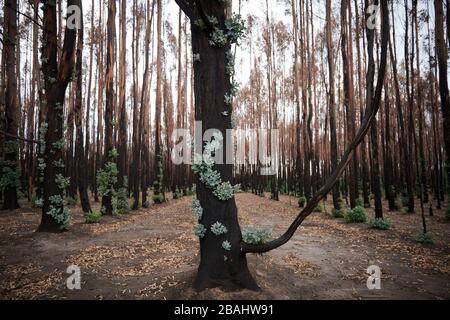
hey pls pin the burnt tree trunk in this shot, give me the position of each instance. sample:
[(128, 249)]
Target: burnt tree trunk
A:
[(11, 146), (79, 149), (332, 103), (211, 84), (107, 208), (122, 140), (375, 167), (442, 55), (57, 77)]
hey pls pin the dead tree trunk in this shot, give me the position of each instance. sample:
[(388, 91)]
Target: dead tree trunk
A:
[(442, 55), (79, 149), (56, 78), (211, 85), (108, 155), (332, 102), (10, 180)]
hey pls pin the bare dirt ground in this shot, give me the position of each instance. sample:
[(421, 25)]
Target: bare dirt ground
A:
[(153, 254)]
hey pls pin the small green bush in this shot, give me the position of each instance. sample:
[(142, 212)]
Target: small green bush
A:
[(37, 202), (178, 194), (380, 224), (447, 214), (158, 198), (337, 213), (424, 238), (360, 202), (92, 217), (405, 201), (319, 208), (20, 194), (302, 202), (71, 201), (399, 203), (120, 202), (357, 215)]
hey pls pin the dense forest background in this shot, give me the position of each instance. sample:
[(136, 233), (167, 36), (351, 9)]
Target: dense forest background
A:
[(132, 83), (93, 94)]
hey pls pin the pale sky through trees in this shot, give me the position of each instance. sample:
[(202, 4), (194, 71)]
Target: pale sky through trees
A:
[(279, 12)]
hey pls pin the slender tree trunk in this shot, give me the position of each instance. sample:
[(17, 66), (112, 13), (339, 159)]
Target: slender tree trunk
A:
[(123, 121), (346, 47), (79, 149), (158, 191), (375, 172), (11, 146), (107, 208), (135, 169), (442, 55), (88, 99), (332, 103)]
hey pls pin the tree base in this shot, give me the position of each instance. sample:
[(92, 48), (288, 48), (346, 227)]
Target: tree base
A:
[(48, 225), (50, 229), (226, 279)]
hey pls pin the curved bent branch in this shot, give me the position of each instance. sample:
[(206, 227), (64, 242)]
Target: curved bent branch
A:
[(331, 181)]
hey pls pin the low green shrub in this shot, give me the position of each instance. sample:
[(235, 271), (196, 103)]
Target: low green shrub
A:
[(302, 202), (398, 203), (425, 238), (178, 194), (337, 213), (360, 202), (380, 224), (71, 201), (447, 214), (319, 208), (405, 201), (357, 215), (92, 217), (37, 202), (120, 202), (158, 198)]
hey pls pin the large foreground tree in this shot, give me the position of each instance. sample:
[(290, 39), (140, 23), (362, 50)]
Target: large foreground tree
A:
[(57, 74), (223, 250)]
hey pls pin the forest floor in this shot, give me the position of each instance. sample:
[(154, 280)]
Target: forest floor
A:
[(153, 254)]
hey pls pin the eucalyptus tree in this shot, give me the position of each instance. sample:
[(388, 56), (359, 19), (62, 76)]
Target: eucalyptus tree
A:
[(57, 73), (223, 247)]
